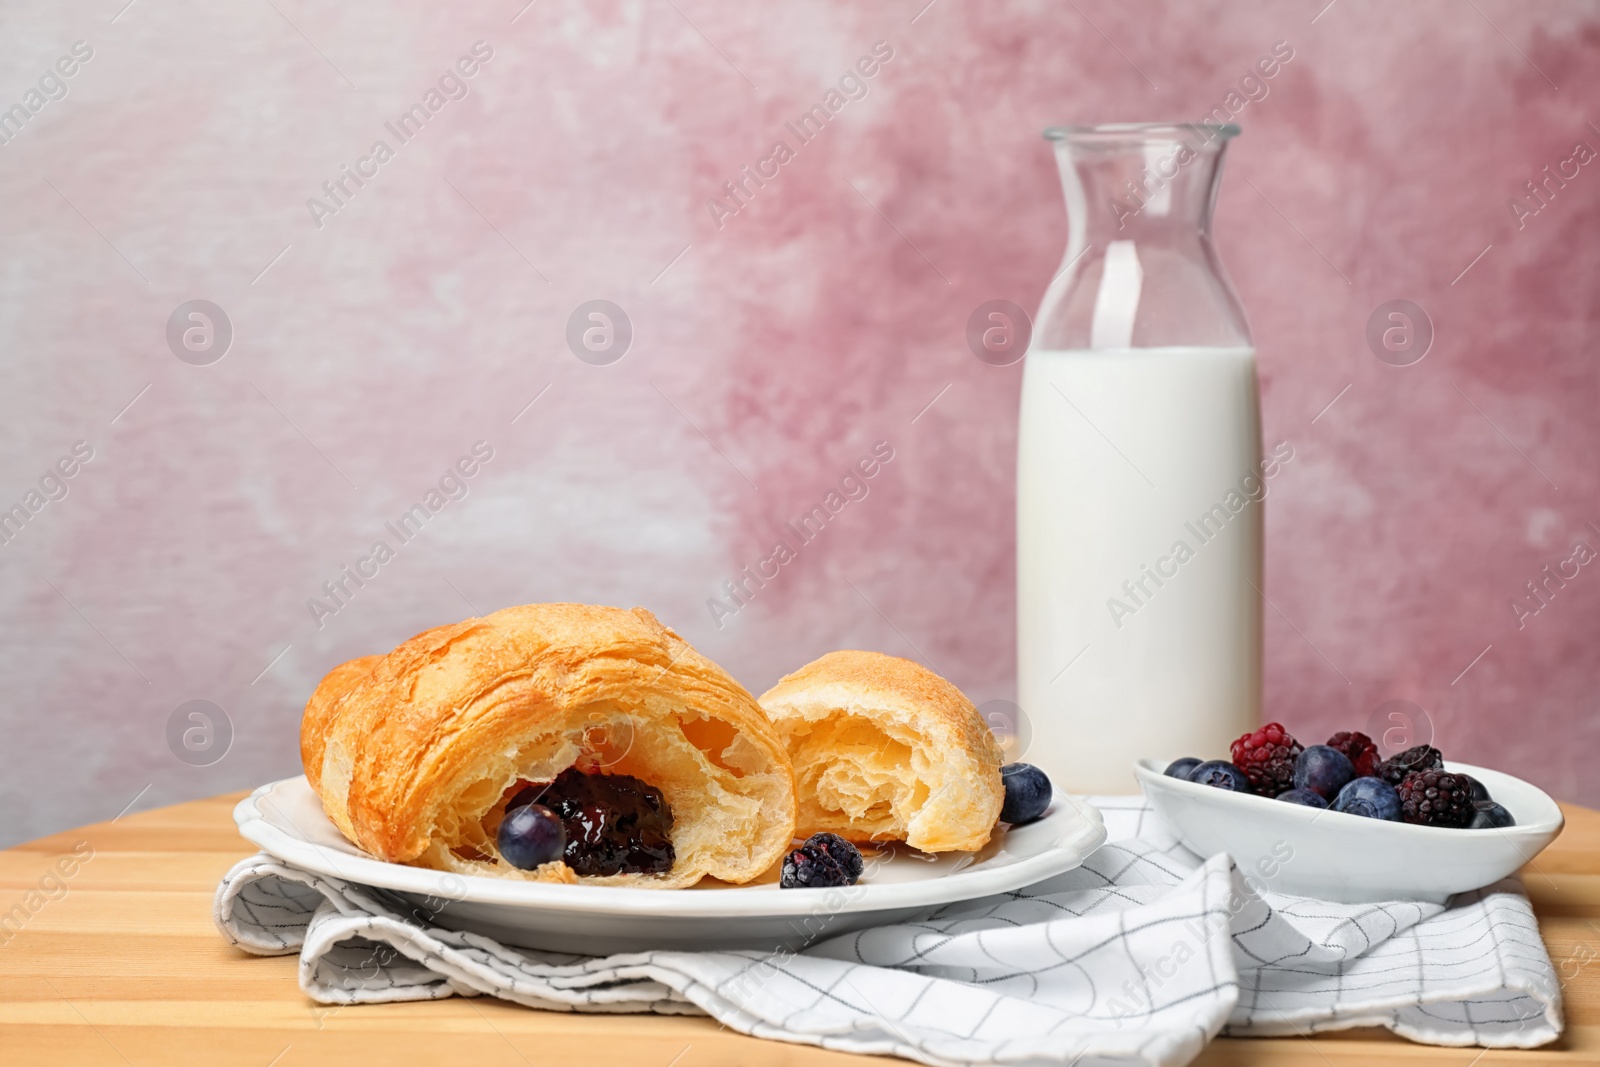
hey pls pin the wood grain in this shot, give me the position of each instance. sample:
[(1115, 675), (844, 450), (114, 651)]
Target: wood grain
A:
[(120, 964)]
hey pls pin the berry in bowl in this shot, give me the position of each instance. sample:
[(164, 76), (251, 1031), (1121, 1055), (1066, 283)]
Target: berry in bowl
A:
[(1337, 821)]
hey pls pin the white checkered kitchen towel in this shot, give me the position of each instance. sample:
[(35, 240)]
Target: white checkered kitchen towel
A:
[(1138, 957)]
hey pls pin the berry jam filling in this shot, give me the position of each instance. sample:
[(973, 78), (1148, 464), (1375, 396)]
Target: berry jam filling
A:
[(615, 824)]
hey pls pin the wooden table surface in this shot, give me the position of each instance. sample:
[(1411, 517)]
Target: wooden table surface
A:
[(119, 963)]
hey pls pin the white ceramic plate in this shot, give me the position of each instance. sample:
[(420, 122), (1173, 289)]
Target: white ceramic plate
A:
[(286, 819), (1328, 854)]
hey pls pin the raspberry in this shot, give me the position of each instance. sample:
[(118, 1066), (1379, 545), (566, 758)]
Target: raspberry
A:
[(1267, 758), (1416, 758), (1436, 798), (1358, 748)]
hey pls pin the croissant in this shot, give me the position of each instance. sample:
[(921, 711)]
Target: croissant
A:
[(885, 749), (416, 754)]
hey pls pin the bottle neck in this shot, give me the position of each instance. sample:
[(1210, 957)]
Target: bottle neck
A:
[(1159, 191), (1140, 270)]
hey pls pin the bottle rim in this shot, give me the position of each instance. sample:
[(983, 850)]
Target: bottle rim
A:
[(1124, 132)]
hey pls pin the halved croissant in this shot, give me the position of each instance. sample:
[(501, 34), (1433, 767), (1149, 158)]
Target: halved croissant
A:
[(415, 753), (886, 750)]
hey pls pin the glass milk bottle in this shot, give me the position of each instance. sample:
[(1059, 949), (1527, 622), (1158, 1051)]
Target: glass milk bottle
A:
[(1139, 476)]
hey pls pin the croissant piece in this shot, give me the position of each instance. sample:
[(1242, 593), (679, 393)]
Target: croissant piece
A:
[(885, 749), (416, 754)]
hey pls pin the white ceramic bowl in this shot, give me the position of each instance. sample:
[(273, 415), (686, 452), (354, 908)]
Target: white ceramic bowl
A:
[(286, 819), (1328, 854)]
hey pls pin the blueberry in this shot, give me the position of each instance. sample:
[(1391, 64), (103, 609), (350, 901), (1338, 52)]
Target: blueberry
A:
[(1180, 768), (1027, 793), (1220, 774), (531, 835), (1372, 798), (1490, 816), (1323, 770), (1480, 792), (1303, 796)]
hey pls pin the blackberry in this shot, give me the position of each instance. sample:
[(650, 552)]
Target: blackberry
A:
[(842, 852), (1416, 758), (1436, 798), (1358, 749), (824, 861), (1267, 758)]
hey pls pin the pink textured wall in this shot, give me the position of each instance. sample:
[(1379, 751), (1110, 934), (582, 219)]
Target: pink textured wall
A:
[(772, 348)]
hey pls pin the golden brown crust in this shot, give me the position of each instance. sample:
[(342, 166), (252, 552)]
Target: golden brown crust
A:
[(414, 755), (334, 687), (885, 749)]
